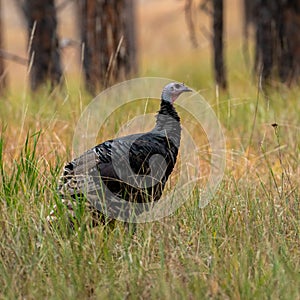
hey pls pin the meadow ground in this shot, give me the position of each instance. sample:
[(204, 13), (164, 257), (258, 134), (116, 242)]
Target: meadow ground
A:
[(244, 244)]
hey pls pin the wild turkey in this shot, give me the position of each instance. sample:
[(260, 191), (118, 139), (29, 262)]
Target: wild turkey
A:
[(115, 175)]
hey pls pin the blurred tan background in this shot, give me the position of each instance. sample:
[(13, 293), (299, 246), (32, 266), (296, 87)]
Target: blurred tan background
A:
[(163, 36)]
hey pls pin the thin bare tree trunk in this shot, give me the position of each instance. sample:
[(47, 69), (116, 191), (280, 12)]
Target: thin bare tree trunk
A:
[(2, 67), (129, 23), (44, 55), (107, 29), (248, 20), (218, 45)]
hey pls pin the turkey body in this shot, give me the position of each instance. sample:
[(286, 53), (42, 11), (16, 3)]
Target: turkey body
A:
[(130, 169)]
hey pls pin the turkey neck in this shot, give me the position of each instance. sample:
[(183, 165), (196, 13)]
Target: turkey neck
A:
[(167, 120)]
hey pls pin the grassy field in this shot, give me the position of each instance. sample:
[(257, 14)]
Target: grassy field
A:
[(244, 244)]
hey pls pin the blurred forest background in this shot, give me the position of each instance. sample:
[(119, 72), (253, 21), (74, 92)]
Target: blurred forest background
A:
[(108, 41)]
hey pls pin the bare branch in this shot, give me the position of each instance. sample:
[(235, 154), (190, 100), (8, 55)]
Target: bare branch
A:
[(204, 6), (13, 57)]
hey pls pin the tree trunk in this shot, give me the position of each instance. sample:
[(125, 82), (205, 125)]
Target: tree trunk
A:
[(289, 38), (247, 22), (277, 26), (108, 38), (220, 76), (44, 55), (2, 67), (265, 38), (129, 23)]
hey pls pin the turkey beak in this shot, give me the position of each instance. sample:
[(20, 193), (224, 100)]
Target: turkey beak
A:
[(186, 89)]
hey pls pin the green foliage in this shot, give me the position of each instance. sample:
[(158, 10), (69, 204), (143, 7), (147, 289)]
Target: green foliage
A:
[(244, 245)]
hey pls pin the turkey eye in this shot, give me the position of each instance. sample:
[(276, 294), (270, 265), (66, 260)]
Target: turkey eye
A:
[(177, 86)]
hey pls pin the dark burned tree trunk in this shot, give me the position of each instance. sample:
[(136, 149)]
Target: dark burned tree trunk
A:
[(218, 45), (289, 39), (2, 67), (277, 26), (43, 42), (264, 38), (108, 40)]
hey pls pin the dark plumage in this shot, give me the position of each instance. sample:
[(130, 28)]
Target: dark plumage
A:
[(126, 170)]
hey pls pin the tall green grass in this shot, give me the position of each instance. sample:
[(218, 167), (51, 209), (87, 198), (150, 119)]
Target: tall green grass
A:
[(244, 245)]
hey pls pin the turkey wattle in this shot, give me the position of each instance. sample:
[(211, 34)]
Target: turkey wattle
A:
[(129, 169)]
